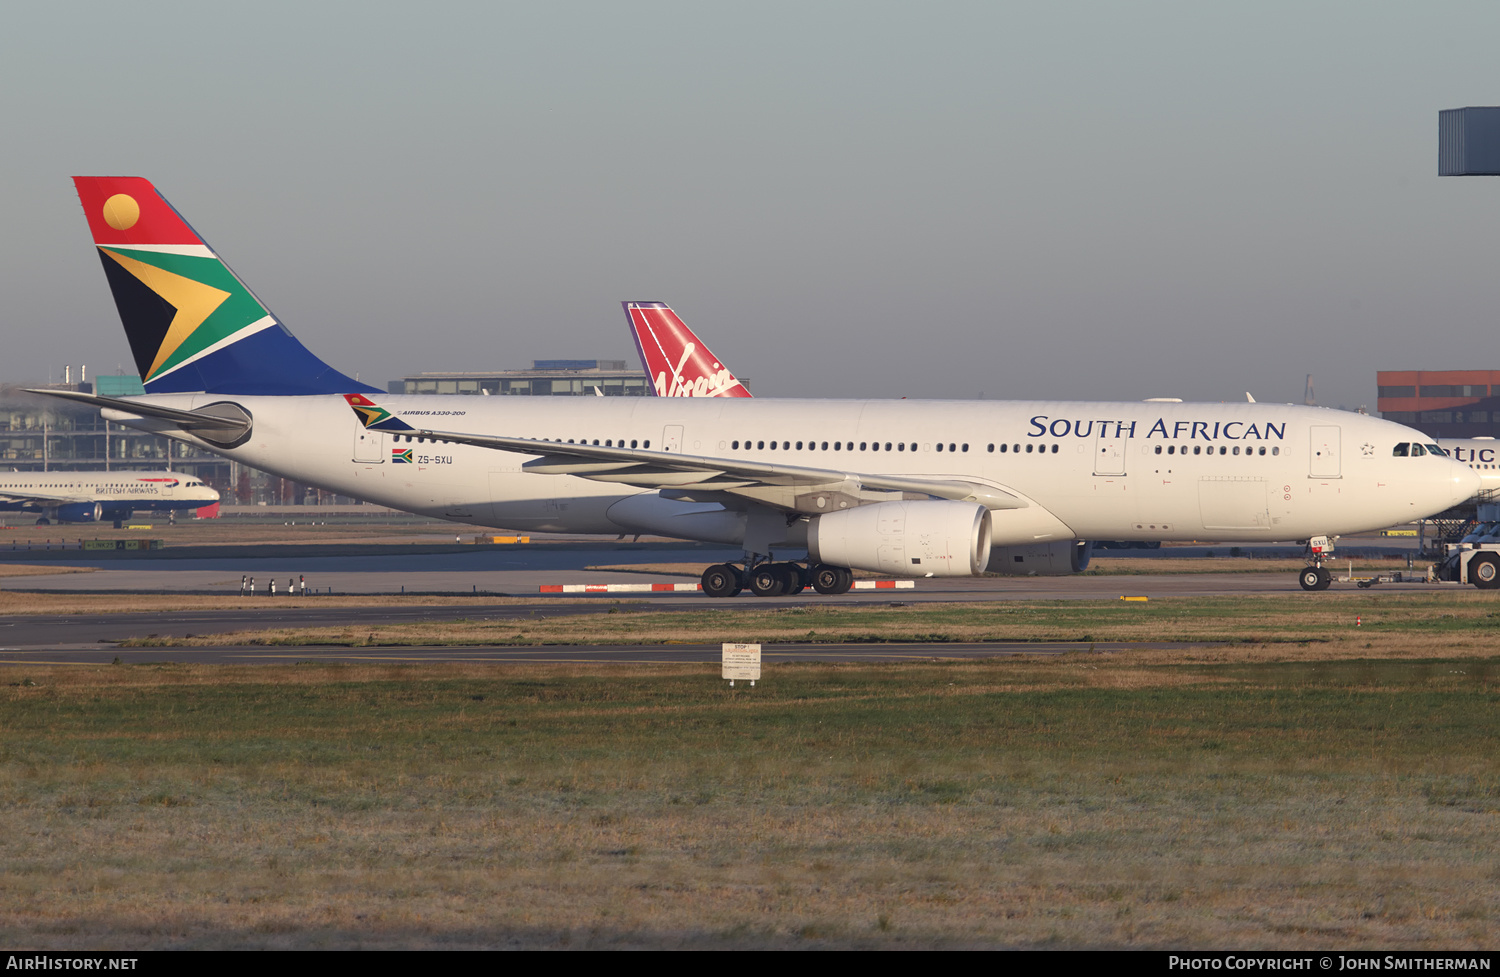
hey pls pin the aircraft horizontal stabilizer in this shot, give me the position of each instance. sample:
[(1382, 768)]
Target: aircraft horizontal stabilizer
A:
[(219, 423)]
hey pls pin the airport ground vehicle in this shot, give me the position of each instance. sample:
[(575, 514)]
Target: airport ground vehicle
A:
[(1477, 564), (913, 488)]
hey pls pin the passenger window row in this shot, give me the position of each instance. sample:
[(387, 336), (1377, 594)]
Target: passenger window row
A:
[(1040, 449), (412, 439), (608, 442), (840, 446), (1223, 450)]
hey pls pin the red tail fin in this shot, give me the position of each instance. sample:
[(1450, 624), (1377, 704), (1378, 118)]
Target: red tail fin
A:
[(677, 362)]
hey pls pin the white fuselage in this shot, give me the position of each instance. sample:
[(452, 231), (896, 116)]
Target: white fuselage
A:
[(1088, 470), (157, 490), (1480, 454)]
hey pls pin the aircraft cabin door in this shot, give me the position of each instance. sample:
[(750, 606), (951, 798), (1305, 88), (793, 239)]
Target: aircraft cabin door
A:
[(1323, 460), (368, 447), (671, 438), (1109, 455)]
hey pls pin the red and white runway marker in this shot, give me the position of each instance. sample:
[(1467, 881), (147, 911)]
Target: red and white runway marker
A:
[(618, 588), (648, 588)]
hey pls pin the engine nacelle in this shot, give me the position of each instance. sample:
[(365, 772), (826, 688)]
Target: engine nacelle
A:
[(910, 539), (80, 512), (1042, 559)]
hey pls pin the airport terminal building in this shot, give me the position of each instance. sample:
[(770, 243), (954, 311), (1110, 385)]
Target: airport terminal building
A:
[(546, 378), (1442, 403)]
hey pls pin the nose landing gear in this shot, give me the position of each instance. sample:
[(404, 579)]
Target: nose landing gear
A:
[(1317, 577)]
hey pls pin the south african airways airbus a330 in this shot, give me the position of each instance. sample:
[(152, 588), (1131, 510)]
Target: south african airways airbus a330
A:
[(909, 487)]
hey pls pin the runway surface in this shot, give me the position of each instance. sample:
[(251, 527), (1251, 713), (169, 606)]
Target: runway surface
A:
[(91, 637), (514, 574)]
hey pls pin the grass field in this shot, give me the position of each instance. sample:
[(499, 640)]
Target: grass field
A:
[(22, 570), (1077, 801), (1437, 624)]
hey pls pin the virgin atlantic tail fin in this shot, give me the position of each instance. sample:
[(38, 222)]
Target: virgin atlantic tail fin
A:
[(192, 324), (677, 362)]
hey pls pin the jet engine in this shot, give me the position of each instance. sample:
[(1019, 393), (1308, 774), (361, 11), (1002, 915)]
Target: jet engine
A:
[(1053, 559), (912, 539), (80, 512)]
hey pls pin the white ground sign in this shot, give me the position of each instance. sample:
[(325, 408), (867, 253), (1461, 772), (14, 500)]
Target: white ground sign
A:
[(741, 662)]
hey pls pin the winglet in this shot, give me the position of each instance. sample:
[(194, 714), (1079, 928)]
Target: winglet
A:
[(373, 416)]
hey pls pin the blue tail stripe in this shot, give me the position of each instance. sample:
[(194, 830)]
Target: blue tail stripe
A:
[(267, 363)]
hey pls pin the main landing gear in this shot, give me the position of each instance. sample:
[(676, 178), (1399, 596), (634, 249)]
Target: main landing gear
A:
[(775, 579)]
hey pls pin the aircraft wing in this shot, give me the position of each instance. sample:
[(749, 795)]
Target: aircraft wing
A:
[(795, 488)]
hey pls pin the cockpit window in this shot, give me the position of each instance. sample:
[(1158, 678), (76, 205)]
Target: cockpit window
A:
[(1433, 449), (1400, 450), (1417, 451)]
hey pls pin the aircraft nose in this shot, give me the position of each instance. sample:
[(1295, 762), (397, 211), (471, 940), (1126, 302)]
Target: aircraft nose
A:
[(1465, 483)]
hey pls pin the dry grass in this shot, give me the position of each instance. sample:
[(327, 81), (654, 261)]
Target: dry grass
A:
[(1081, 801), (1451, 622), (21, 570)]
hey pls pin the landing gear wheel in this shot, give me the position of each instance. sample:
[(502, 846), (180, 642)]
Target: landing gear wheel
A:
[(832, 580), (722, 580), (768, 580), (119, 524), (796, 578), (44, 521), (1484, 571), (1315, 578)]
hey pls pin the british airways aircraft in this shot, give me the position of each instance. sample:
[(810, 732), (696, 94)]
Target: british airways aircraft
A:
[(97, 496), (917, 488)]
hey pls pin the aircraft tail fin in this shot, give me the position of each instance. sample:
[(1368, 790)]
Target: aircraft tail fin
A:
[(676, 361), (192, 324)]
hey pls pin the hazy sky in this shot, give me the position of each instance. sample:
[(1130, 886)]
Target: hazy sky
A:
[(1080, 200)]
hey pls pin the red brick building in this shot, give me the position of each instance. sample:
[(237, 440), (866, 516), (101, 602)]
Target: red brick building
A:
[(1442, 403)]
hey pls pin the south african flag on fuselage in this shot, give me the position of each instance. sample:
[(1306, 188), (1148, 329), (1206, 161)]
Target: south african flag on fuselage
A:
[(400, 456)]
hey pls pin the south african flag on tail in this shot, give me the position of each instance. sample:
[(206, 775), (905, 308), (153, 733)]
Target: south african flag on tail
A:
[(192, 324)]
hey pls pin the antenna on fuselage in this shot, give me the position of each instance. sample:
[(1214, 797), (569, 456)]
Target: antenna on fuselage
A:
[(1308, 397)]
